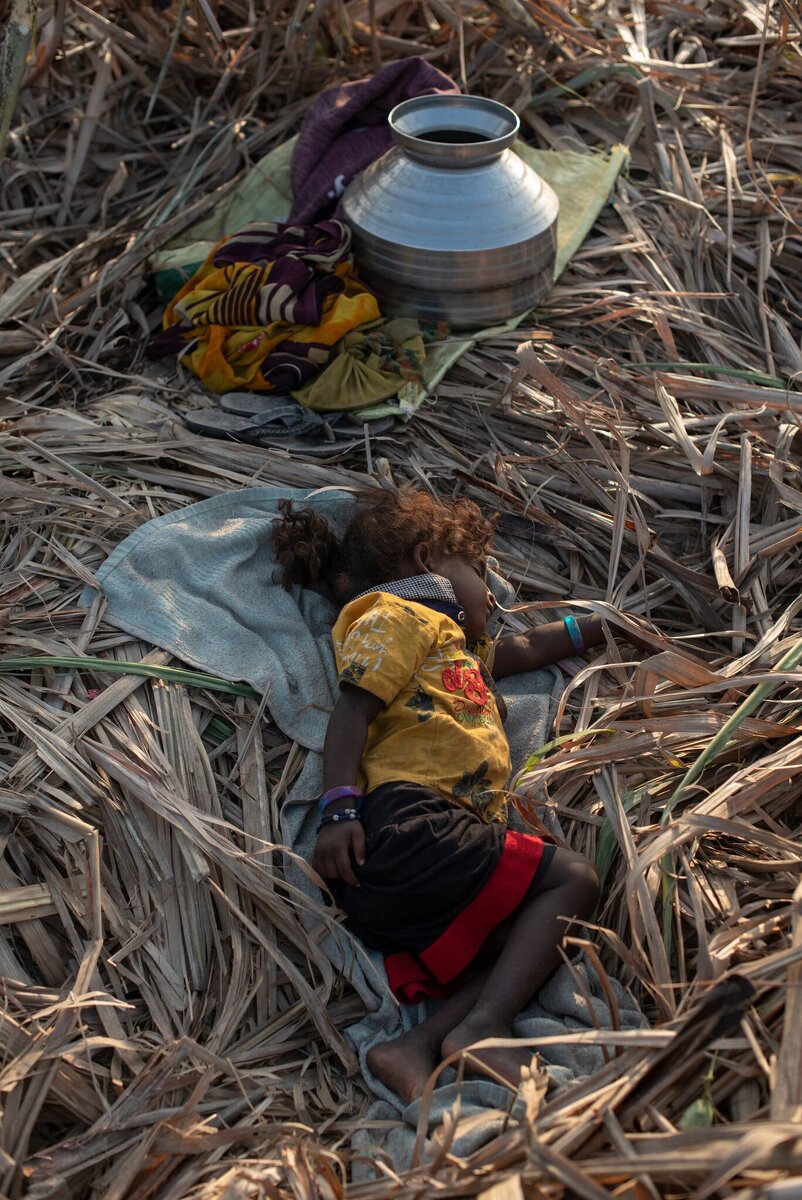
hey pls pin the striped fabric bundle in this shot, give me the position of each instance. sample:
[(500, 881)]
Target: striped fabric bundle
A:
[(266, 308)]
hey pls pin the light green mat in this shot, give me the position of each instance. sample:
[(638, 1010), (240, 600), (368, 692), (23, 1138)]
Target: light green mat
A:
[(583, 183)]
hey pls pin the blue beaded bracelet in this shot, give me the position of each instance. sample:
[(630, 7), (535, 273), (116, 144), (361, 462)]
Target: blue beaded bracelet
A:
[(575, 634), (345, 814)]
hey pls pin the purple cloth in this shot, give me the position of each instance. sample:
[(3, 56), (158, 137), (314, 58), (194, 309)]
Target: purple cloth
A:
[(323, 245), (346, 129)]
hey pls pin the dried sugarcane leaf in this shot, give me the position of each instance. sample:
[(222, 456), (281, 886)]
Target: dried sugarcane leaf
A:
[(172, 1025)]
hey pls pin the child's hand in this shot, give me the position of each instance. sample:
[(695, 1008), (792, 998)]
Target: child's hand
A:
[(334, 847)]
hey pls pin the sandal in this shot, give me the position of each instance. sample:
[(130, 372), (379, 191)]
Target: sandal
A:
[(317, 438), (257, 404)]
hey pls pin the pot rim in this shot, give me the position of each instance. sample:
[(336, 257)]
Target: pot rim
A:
[(497, 124)]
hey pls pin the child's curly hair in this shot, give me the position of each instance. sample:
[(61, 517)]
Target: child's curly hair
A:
[(381, 537)]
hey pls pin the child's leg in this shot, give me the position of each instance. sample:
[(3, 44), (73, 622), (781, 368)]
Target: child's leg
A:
[(488, 1004), (570, 888), (405, 1063)]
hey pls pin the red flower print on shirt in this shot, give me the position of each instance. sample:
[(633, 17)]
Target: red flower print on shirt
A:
[(460, 677)]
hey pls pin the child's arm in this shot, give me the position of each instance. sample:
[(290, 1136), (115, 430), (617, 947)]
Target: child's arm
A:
[(547, 644), (346, 736)]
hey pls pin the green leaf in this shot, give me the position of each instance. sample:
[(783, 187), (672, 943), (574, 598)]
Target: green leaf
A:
[(712, 369), (607, 843), (540, 754), (699, 1115), (116, 666), (218, 731)]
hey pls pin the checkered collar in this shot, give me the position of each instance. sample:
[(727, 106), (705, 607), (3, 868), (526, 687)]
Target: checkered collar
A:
[(417, 587)]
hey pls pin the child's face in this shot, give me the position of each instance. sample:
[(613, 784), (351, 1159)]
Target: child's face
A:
[(473, 597)]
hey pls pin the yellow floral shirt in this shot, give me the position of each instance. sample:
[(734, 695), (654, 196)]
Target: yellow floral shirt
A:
[(441, 725)]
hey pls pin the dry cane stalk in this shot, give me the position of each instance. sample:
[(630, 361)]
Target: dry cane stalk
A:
[(13, 54)]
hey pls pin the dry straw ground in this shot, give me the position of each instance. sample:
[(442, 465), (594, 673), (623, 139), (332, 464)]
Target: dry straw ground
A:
[(168, 1028)]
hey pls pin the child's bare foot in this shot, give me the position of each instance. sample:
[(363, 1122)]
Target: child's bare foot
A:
[(495, 1064), (404, 1064)]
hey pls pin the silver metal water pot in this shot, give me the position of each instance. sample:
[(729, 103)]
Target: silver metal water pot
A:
[(450, 223)]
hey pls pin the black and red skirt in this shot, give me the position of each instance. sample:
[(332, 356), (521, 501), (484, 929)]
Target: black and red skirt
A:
[(436, 881)]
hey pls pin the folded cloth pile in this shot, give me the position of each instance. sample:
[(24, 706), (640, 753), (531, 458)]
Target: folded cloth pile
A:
[(346, 128), (370, 365), (266, 308)]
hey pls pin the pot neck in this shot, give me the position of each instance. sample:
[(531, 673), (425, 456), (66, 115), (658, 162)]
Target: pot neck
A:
[(452, 155), (452, 131)]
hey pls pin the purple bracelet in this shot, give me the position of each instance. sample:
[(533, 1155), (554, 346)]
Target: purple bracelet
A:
[(340, 793)]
